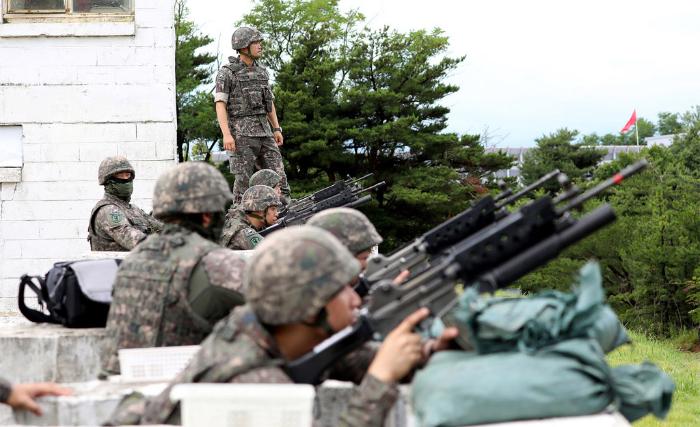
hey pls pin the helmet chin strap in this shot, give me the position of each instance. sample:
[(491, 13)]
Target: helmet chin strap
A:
[(321, 321), (258, 217)]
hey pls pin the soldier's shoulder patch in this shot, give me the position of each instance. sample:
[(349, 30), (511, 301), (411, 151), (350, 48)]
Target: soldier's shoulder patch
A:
[(255, 239), (116, 216), (249, 232)]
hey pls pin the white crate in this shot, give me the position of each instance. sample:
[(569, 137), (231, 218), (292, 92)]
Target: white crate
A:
[(154, 364), (245, 405)]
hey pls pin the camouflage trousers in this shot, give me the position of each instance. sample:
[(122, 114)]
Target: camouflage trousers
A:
[(252, 151)]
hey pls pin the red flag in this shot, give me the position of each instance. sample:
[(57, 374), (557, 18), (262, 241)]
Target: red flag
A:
[(631, 122)]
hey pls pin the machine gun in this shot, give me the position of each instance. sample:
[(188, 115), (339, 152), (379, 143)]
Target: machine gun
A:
[(349, 197), (305, 203), (482, 213), (490, 259)]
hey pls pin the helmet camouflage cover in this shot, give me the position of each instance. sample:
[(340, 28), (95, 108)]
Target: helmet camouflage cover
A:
[(265, 177), (258, 198), (244, 36), (295, 272), (112, 165), (350, 226), (190, 187)]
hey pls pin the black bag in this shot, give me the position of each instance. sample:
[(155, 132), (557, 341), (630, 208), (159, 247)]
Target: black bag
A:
[(75, 294)]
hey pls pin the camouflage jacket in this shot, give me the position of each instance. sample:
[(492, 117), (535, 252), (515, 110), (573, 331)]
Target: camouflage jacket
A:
[(5, 389), (246, 92), (116, 225), (151, 305), (239, 233), (240, 350)]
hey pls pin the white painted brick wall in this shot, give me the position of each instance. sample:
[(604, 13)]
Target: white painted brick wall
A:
[(78, 100)]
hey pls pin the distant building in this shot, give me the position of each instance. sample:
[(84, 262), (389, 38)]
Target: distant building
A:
[(80, 80)]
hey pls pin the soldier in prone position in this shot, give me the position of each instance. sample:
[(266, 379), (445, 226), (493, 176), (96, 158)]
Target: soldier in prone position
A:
[(269, 178), (245, 109), (298, 294), (116, 224), (174, 286), (257, 210)]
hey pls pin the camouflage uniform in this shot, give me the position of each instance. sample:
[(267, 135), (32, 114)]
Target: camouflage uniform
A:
[(239, 233), (350, 226), (115, 224), (5, 389), (172, 288), (246, 92), (292, 276)]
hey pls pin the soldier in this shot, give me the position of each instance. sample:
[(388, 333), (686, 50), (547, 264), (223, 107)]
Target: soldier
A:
[(245, 109), (352, 228), (269, 178), (21, 396), (299, 293), (115, 224), (257, 210), (172, 288)]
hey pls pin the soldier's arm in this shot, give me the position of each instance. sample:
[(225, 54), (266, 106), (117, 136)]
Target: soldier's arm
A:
[(369, 403), (112, 221), (272, 117), (221, 98), (216, 285), (244, 239), (353, 366)]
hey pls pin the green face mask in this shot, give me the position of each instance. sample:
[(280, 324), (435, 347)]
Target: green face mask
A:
[(121, 190)]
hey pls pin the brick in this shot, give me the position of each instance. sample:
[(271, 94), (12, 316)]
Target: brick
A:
[(19, 229), (79, 132), (64, 229), (59, 152), (46, 210), (166, 150), (58, 249), (157, 132), (72, 190), (152, 169)]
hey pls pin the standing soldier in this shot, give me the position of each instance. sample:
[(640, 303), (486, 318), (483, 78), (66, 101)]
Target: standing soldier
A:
[(257, 210), (115, 224), (245, 110), (173, 287)]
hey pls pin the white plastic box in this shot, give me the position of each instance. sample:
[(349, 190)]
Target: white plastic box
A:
[(245, 405), (154, 364)]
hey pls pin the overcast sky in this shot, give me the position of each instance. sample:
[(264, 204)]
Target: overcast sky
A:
[(535, 66)]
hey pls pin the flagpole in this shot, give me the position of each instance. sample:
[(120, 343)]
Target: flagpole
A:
[(636, 128)]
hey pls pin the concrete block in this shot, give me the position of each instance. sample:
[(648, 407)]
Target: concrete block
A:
[(18, 267), (155, 37), (59, 171), (61, 133), (10, 74), (31, 152), (59, 152), (63, 229), (138, 150), (8, 289), (51, 353), (66, 190), (149, 18), (19, 229), (152, 169), (59, 75), (96, 152), (10, 174), (130, 55), (164, 132), (166, 151), (46, 210)]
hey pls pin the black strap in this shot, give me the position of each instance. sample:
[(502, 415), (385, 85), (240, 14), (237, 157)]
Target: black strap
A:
[(35, 316)]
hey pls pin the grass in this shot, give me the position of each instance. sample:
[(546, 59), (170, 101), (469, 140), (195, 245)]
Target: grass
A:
[(683, 366)]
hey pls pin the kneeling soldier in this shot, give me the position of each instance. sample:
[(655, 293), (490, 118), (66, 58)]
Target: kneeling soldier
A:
[(172, 288), (115, 224), (257, 210)]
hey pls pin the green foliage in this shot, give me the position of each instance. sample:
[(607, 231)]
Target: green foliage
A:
[(196, 117), (353, 100), (669, 124), (559, 150)]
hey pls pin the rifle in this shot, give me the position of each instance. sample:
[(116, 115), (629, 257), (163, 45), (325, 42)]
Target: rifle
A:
[(527, 240), (482, 213), (334, 189), (346, 198)]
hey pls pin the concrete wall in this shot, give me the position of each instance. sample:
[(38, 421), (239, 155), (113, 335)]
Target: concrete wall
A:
[(81, 91)]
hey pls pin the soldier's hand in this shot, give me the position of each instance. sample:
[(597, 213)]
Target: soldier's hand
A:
[(229, 143), (279, 139), (401, 277), (22, 395), (400, 352)]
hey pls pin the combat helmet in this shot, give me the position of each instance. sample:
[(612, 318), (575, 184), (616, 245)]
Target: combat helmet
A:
[(112, 165), (258, 198), (190, 187), (244, 36), (265, 177), (295, 272), (350, 226)]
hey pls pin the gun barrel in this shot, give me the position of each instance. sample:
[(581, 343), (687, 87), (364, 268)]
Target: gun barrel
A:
[(613, 180), (362, 178), (370, 188), (546, 250), (535, 185)]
